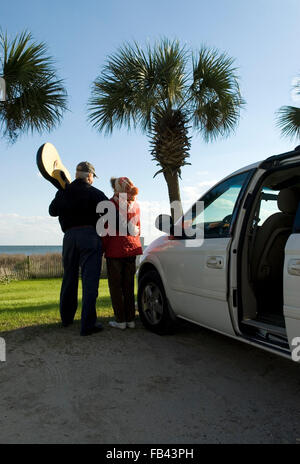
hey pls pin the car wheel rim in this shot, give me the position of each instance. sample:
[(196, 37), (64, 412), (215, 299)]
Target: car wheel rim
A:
[(152, 303)]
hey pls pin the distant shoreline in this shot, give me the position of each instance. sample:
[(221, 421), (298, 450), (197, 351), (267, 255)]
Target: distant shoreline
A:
[(29, 249)]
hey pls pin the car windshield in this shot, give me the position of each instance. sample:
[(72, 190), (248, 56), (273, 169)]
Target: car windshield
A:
[(219, 204)]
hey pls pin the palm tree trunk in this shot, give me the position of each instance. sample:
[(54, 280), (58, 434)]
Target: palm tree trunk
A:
[(174, 195)]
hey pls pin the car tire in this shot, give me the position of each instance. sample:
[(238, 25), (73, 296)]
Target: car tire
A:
[(153, 305)]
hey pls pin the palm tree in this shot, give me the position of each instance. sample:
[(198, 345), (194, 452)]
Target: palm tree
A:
[(288, 118), (35, 97), (156, 91)]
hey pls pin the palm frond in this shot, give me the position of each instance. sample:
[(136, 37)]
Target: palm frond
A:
[(170, 60), (122, 94), (133, 83), (288, 120), (214, 95), (296, 86), (36, 98)]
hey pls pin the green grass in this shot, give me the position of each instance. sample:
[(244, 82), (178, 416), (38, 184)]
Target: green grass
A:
[(36, 302)]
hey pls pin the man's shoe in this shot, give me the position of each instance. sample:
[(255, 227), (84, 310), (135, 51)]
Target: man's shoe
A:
[(117, 325), (66, 324), (131, 324), (97, 328)]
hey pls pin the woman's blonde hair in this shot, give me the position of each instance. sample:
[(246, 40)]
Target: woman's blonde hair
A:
[(124, 185)]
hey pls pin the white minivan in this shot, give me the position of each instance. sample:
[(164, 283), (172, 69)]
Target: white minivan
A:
[(243, 280)]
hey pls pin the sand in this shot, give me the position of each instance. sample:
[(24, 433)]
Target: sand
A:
[(137, 387)]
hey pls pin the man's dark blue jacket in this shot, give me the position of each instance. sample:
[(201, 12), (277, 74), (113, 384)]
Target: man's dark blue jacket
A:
[(76, 205)]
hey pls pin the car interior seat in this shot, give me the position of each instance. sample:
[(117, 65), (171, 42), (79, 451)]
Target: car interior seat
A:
[(273, 234), (268, 251)]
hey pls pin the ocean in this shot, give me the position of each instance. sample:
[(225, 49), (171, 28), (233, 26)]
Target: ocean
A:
[(30, 249)]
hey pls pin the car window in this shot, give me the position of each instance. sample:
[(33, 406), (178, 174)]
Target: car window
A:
[(219, 204), (268, 204)]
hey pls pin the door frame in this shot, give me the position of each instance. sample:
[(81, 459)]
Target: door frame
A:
[(236, 302)]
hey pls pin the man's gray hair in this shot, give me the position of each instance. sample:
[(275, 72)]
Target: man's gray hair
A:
[(82, 174)]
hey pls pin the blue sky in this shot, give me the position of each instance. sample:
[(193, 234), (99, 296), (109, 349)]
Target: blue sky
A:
[(262, 35)]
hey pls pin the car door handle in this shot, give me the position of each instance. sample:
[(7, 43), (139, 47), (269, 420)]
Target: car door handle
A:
[(294, 267), (215, 262)]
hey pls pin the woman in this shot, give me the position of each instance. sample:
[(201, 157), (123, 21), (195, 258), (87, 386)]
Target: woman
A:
[(121, 250)]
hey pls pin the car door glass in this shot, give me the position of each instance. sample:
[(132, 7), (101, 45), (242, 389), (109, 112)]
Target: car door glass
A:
[(219, 204)]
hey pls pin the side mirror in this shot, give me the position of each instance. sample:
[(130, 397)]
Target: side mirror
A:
[(2, 89), (164, 222)]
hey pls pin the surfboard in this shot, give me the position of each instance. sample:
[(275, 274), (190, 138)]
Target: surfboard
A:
[(51, 166)]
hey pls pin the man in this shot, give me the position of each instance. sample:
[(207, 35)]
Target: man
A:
[(76, 208)]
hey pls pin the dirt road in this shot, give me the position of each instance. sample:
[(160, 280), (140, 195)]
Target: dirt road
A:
[(136, 387)]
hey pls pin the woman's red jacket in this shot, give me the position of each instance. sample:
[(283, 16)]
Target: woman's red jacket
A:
[(124, 246)]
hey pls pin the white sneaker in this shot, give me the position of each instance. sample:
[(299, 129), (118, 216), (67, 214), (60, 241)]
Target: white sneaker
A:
[(117, 325), (131, 324)]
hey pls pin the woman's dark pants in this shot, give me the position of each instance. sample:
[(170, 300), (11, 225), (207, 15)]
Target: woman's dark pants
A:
[(121, 272), (81, 248)]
